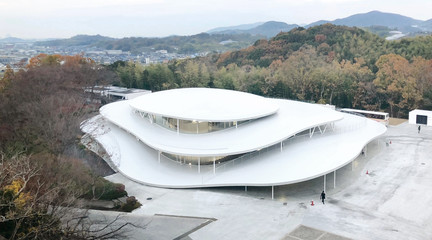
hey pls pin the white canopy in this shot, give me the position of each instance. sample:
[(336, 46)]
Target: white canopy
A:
[(205, 104)]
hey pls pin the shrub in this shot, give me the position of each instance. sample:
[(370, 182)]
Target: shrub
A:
[(131, 204), (105, 190)]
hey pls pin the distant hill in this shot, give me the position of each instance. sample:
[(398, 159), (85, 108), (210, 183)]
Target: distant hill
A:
[(381, 31), (426, 25), (238, 27), (332, 41), (13, 40), (272, 28), (376, 18), (79, 40), (377, 22), (267, 29), (241, 36), (179, 44)]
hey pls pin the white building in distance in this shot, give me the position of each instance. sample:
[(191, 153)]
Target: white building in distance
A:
[(418, 116)]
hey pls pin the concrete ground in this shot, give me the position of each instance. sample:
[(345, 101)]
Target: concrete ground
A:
[(392, 201)]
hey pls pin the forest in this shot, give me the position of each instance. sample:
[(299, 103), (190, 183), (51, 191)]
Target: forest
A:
[(328, 64), (45, 171)]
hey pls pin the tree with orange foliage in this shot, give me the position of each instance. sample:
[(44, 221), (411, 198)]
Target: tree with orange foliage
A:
[(46, 103), (422, 72), (44, 60), (7, 78), (396, 84)]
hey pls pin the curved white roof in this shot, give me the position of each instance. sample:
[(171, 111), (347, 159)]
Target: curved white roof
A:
[(292, 118), (301, 159), (205, 104)]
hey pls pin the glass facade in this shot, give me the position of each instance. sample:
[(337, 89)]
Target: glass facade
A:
[(201, 160), (187, 126)]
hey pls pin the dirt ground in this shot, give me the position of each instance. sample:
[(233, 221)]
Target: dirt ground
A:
[(396, 121)]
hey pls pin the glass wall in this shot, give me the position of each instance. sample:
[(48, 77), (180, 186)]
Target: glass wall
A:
[(202, 160), (187, 126)]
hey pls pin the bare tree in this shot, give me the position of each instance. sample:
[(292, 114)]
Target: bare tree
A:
[(41, 110), (44, 105), (37, 205)]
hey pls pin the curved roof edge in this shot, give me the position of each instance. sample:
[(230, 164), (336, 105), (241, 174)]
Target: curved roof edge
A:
[(295, 164), (205, 104), (268, 131)]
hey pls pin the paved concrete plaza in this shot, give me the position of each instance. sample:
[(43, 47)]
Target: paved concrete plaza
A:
[(392, 201)]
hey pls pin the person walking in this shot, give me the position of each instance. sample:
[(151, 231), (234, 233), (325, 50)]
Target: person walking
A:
[(322, 197), (419, 127)]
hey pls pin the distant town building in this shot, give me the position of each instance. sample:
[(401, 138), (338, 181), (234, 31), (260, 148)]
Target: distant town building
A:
[(162, 51), (17, 54), (114, 52), (227, 42)]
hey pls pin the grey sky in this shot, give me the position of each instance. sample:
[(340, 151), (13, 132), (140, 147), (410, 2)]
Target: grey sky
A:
[(150, 18)]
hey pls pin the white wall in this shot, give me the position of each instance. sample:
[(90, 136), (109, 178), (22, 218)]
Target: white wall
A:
[(413, 116)]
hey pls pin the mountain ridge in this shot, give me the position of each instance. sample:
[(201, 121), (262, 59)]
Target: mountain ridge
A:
[(374, 18), (230, 38), (370, 19), (237, 27), (201, 42), (268, 29)]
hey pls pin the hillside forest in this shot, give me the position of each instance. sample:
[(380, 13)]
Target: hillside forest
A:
[(47, 176), (328, 64), (202, 42)]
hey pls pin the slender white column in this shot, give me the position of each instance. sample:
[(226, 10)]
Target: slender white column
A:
[(199, 164), (325, 127), (245, 188), (159, 153), (324, 183), (214, 165), (334, 179), (272, 192), (311, 132), (281, 146), (178, 126), (366, 150)]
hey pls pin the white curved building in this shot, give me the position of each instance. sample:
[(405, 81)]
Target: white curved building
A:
[(202, 137)]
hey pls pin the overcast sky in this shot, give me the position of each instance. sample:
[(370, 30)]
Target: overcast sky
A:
[(159, 18)]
